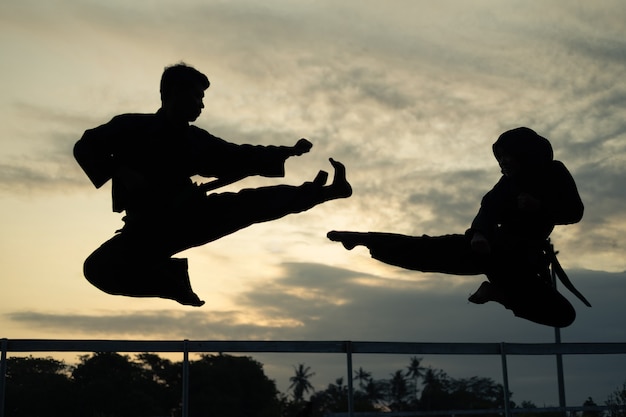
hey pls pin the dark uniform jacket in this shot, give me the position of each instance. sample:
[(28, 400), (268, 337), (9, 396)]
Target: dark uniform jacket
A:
[(548, 180), (164, 157)]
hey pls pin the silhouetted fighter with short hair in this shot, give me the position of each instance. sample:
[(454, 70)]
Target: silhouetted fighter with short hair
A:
[(507, 240), (151, 159)]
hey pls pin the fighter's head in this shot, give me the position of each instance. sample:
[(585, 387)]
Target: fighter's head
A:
[(182, 92), (522, 151)]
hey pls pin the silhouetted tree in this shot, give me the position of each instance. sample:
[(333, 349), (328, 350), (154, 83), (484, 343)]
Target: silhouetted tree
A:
[(475, 393), (528, 405), (168, 376), (434, 393), (38, 387), (398, 391), (334, 398), (300, 383), (375, 391), (363, 377), (110, 384), (415, 371), (113, 385), (617, 402), (231, 386), (589, 402)]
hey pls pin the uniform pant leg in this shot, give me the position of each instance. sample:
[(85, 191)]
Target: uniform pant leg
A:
[(448, 254), (534, 298), (128, 265), (542, 304), (221, 214), (523, 291)]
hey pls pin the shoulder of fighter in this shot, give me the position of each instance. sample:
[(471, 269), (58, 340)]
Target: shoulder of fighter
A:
[(196, 132), (129, 118)]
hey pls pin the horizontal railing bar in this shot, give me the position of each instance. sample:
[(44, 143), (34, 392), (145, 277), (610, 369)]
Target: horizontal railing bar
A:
[(193, 346), (259, 346), (564, 348), (416, 348), (421, 413), (416, 413), (489, 348)]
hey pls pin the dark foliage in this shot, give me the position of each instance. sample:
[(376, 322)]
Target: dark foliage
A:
[(231, 386), (114, 385), (38, 387)]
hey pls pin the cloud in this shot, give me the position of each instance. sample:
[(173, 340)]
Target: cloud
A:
[(164, 324), (47, 167), (318, 301)]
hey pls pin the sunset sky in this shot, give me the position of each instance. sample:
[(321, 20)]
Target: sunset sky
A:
[(409, 95)]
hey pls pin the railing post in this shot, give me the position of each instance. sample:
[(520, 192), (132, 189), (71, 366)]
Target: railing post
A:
[(350, 390), (559, 373), (505, 380), (185, 376), (559, 358), (3, 375)]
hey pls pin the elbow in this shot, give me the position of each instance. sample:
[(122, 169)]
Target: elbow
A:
[(579, 213), (573, 216), (80, 150), (77, 149)]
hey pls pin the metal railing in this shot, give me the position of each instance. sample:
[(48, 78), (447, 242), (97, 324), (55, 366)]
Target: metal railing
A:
[(349, 348)]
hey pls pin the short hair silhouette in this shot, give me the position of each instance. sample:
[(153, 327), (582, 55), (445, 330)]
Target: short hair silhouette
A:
[(181, 77)]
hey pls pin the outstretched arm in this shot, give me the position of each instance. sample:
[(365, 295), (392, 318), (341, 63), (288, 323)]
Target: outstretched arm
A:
[(301, 147), (217, 158)]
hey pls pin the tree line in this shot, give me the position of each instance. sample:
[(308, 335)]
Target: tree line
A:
[(105, 384)]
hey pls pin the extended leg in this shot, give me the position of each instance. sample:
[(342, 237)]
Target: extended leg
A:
[(225, 213), (449, 254)]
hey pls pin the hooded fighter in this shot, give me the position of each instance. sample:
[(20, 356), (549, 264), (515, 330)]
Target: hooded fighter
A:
[(508, 239)]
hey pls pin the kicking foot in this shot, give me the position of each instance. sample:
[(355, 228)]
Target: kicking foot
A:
[(321, 178), (348, 239), (483, 294), (340, 186), (189, 298)]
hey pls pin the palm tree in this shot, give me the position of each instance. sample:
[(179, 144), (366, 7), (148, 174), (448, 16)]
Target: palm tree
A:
[(300, 381), (363, 377), (375, 391), (398, 390), (435, 391), (415, 371)]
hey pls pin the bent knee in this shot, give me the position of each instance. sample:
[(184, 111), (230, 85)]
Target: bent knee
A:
[(550, 315), (566, 317), (98, 272)]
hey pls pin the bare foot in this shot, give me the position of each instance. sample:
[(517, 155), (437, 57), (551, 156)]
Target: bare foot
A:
[(340, 185), (483, 294), (348, 239), (189, 298), (321, 178)]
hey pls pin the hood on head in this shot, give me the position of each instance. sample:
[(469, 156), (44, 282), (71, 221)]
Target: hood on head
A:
[(526, 146)]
